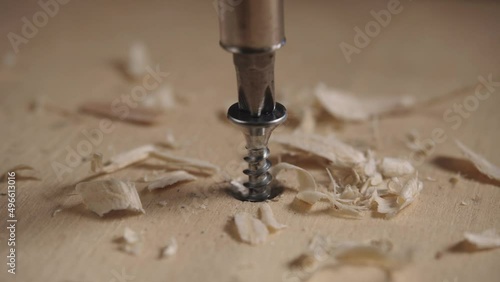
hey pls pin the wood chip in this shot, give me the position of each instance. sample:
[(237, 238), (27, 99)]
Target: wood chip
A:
[(348, 107), (104, 196), (131, 242), (96, 164), (250, 229), (332, 149), (267, 217), (162, 99), (481, 163), (140, 115), (171, 178), (305, 179), (393, 167), (171, 249)]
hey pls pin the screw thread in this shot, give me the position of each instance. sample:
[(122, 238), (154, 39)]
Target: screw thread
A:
[(258, 171)]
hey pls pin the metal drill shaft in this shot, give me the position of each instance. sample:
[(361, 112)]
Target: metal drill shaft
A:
[(252, 31)]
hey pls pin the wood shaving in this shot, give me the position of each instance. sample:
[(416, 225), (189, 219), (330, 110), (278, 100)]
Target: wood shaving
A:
[(267, 217), (482, 164), (104, 196), (162, 99), (96, 164), (250, 229), (162, 203), (184, 163), (393, 204), (487, 239), (128, 158), (238, 188), (131, 242), (171, 249), (348, 107), (332, 149), (17, 169), (311, 197), (392, 167), (170, 141), (171, 178), (56, 211), (138, 60), (140, 115), (307, 123), (464, 203), (172, 161), (325, 251), (305, 179)]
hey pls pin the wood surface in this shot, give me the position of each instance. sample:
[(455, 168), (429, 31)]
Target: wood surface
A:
[(431, 48)]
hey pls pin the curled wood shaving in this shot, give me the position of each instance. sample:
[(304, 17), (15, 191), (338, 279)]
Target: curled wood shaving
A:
[(332, 149), (305, 179), (138, 115), (238, 188), (392, 167), (393, 204), (250, 229), (348, 107), (267, 217), (483, 165), (171, 249), (171, 178), (104, 196)]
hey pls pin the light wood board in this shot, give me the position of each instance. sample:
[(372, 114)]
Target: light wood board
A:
[(430, 48)]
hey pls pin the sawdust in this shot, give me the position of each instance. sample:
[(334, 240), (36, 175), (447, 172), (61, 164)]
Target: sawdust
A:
[(482, 164), (170, 249), (131, 242), (171, 178), (104, 196)]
